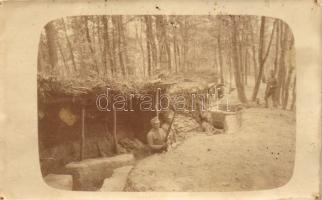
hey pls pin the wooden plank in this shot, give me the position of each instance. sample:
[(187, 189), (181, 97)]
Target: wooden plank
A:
[(114, 131), (82, 150)]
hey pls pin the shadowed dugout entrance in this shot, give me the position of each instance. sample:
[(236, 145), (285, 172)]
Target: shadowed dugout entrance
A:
[(72, 128)]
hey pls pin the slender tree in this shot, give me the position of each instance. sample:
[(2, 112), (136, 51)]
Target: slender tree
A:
[(293, 95), (89, 42), (148, 43), (51, 35), (237, 73), (282, 66), (121, 50), (221, 67), (140, 44), (254, 53), (262, 56)]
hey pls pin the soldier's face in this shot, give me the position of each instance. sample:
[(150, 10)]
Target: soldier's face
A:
[(156, 124)]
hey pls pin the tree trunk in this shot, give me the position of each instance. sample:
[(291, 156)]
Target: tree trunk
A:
[(246, 66), (114, 46), (89, 41), (261, 58), (52, 46), (179, 57), (164, 38), (71, 50), (293, 95), (287, 87), (148, 45), (139, 41), (282, 71), (121, 52), (185, 42), (152, 46), (63, 57), (216, 65), (230, 71), (241, 63), (106, 45), (238, 82), (42, 58), (175, 51), (220, 59), (124, 44), (254, 54), (277, 44), (99, 34), (108, 49)]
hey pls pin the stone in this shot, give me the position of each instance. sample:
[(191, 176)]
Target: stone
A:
[(89, 174), (184, 124), (118, 180), (67, 116), (59, 181)]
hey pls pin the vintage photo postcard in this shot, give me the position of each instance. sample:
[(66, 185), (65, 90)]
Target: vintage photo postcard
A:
[(160, 100)]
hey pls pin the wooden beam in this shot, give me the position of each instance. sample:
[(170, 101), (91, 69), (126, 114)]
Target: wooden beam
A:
[(82, 150), (114, 131)]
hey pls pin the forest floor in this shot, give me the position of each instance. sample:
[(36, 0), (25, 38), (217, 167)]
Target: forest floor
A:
[(260, 155)]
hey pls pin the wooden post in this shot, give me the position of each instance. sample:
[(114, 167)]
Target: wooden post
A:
[(82, 150), (157, 103), (114, 132)]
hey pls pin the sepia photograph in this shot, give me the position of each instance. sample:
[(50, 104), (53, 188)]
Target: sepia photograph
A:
[(166, 103), (195, 100)]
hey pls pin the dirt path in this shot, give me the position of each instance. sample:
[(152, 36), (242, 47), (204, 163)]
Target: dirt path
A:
[(259, 156)]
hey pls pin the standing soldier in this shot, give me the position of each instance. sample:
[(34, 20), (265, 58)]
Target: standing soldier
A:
[(271, 89)]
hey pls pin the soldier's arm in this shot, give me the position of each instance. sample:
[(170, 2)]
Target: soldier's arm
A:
[(150, 142)]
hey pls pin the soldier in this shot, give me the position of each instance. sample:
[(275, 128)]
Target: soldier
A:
[(271, 89), (156, 137)]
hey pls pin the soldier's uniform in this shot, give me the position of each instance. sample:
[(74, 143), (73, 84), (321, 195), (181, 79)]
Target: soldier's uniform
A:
[(270, 90), (156, 136)]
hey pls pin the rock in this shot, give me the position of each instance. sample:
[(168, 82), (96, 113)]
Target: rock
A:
[(59, 181), (184, 123), (118, 180), (89, 174), (138, 143), (130, 144), (207, 127), (66, 115)]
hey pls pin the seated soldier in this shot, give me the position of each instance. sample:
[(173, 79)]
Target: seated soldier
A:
[(156, 137)]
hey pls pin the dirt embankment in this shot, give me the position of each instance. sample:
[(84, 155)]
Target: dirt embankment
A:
[(258, 156)]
